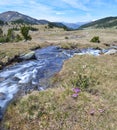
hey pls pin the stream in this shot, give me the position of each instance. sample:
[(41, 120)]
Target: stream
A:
[(35, 74)]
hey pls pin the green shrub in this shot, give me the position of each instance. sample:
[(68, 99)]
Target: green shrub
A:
[(1, 32), (18, 38), (95, 39), (10, 35), (1, 22), (50, 25), (4, 39), (25, 33), (66, 37), (33, 28), (83, 82)]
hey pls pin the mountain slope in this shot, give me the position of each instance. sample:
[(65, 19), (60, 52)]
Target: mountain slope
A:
[(1, 22), (16, 17), (58, 25), (108, 22), (74, 25)]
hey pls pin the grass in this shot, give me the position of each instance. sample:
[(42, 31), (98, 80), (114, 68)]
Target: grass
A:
[(95, 107)]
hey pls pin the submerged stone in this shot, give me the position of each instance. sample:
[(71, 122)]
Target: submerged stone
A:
[(2, 96)]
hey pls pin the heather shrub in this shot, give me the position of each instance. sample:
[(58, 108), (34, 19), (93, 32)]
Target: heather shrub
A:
[(95, 39)]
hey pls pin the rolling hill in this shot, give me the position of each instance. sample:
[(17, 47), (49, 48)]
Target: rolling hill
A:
[(108, 22)]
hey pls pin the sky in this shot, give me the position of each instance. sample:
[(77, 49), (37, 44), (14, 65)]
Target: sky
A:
[(70, 11)]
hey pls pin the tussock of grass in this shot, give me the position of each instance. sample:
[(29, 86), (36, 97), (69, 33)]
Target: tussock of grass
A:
[(56, 109)]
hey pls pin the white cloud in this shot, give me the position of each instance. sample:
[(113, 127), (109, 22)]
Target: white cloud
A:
[(80, 4), (60, 13), (9, 2)]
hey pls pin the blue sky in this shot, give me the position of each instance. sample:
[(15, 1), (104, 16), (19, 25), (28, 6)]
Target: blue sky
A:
[(62, 10)]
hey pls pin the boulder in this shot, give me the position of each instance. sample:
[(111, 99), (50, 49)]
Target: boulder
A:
[(28, 56), (111, 52)]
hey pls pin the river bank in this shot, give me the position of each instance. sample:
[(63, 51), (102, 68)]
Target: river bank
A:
[(56, 108), (37, 68)]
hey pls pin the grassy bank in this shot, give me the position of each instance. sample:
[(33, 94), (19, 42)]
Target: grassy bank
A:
[(95, 106)]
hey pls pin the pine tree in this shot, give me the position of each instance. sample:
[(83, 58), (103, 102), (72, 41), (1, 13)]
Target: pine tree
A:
[(25, 33)]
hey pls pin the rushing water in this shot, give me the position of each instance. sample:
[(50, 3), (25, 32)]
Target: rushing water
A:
[(34, 74)]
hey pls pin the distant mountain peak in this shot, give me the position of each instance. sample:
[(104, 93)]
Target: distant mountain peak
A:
[(12, 16)]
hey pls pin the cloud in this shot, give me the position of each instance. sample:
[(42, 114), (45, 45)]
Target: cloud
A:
[(9, 2), (60, 13), (79, 4)]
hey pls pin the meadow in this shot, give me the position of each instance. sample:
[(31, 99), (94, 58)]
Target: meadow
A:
[(82, 96)]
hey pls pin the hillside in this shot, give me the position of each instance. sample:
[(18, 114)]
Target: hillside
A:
[(108, 22), (74, 25), (58, 25), (16, 17), (1, 22)]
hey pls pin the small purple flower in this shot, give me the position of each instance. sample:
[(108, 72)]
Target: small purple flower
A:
[(101, 110), (92, 112), (76, 90), (75, 95)]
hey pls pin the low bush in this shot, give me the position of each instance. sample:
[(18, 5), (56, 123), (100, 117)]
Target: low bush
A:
[(33, 29), (82, 81), (10, 36), (25, 33), (66, 37), (95, 39), (4, 39)]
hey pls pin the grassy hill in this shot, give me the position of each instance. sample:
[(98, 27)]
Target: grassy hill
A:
[(108, 22)]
